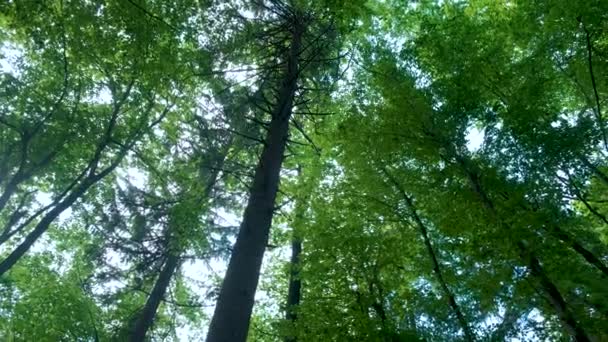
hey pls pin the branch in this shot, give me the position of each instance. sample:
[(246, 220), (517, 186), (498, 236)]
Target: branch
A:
[(151, 15), (595, 92), (301, 130)]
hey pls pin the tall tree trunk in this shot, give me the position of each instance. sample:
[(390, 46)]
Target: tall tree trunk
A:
[(147, 314), (591, 258), (9, 190), (554, 297), (230, 322), (548, 288), (596, 171), (90, 178), (468, 333), (43, 225), (294, 292), (295, 285), (510, 318)]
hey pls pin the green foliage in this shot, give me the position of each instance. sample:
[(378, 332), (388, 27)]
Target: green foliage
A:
[(435, 149), (36, 293)]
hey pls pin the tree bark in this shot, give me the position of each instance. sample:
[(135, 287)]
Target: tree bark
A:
[(555, 298), (295, 285), (548, 288), (230, 322), (468, 333), (42, 226), (580, 249), (146, 316)]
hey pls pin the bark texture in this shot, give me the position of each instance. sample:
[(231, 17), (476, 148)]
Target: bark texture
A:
[(295, 285), (230, 322), (547, 287), (147, 314), (468, 333)]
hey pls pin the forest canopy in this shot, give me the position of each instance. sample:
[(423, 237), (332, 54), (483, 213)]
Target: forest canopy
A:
[(303, 170)]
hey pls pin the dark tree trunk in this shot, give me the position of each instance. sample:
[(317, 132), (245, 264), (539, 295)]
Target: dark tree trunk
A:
[(87, 179), (230, 322), (147, 314), (42, 226), (46, 221), (295, 285), (294, 291), (581, 250), (600, 175), (509, 320), (547, 287), (557, 301), (11, 187), (468, 333)]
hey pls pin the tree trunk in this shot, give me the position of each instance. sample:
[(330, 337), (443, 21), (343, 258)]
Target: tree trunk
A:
[(146, 316), (555, 298), (46, 221), (230, 322), (548, 288), (468, 333), (580, 249), (295, 285), (294, 292), (43, 225), (510, 318), (11, 187), (602, 176)]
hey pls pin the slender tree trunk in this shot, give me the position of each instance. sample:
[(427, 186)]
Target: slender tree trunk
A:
[(510, 317), (548, 288), (42, 226), (15, 216), (555, 298), (295, 285), (146, 316), (571, 241), (9, 190), (580, 249), (600, 175), (468, 333), (294, 292), (230, 322)]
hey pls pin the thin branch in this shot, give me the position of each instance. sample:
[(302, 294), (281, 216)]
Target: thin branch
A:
[(299, 127), (595, 92), (151, 15)]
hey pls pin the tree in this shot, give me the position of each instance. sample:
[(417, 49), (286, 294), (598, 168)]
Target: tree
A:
[(404, 171), (233, 309), (86, 67)]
